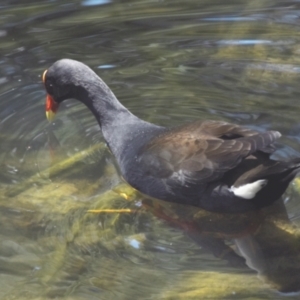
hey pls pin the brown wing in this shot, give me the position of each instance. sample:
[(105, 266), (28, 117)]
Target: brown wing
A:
[(217, 129), (201, 151)]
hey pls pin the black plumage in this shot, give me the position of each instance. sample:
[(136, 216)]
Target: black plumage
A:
[(203, 163)]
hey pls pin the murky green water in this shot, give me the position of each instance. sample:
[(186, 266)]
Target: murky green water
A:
[(169, 62)]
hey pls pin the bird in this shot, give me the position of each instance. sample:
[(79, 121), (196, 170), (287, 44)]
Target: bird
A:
[(210, 164)]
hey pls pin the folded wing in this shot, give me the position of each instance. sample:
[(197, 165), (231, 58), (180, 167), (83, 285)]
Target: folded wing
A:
[(202, 152)]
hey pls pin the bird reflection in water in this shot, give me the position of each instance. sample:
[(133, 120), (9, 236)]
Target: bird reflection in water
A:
[(265, 241)]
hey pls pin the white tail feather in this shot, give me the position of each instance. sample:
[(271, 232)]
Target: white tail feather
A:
[(249, 190)]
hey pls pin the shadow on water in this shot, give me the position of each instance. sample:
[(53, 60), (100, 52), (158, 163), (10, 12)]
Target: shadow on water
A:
[(168, 62)]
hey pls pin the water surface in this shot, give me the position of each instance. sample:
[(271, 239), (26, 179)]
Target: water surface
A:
[(169, 62)]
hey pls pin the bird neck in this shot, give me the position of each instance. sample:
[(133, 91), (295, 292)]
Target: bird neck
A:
[(119, 126)]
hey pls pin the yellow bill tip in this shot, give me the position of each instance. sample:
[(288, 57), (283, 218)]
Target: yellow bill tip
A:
[(50, 115)]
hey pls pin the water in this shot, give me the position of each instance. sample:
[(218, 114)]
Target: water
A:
[(169, 63)]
